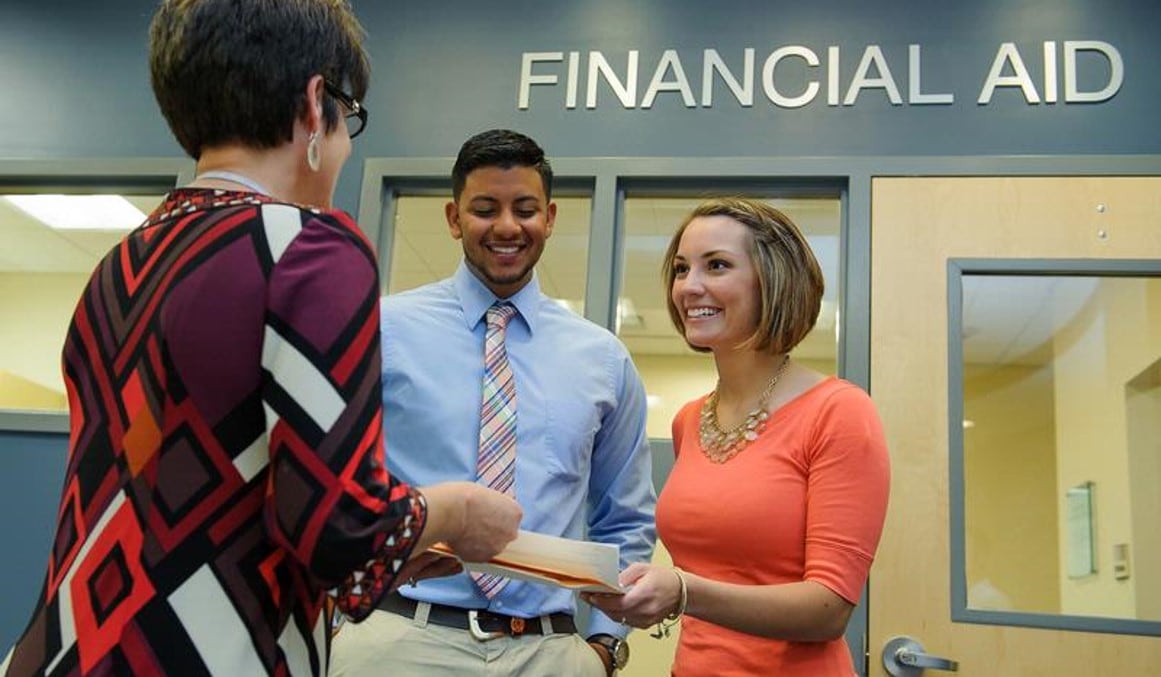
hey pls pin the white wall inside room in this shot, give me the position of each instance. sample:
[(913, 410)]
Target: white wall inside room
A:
[(42, 274), (1098, 359), (36, 308)]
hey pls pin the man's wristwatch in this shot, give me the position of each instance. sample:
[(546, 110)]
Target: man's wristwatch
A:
[(617, 648)]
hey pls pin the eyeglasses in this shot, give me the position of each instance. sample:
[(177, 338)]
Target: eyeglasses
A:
[(355, 114)]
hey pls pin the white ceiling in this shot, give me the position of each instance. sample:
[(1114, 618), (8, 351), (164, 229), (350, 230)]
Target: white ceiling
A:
[(1006, 320), (1011, 320), (32, 247)]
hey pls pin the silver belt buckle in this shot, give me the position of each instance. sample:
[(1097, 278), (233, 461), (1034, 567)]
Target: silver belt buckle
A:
[(478, 632)]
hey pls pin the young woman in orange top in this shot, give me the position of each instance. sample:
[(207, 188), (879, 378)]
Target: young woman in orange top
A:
[(774, 507)]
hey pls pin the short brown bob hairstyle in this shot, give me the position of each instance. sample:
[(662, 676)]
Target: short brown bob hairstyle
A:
[(235, 71), (789, 278)]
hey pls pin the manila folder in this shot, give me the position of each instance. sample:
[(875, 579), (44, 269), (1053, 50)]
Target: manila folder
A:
[(540, 558)]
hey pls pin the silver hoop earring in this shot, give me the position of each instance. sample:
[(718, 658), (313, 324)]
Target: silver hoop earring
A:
[(313, 159)]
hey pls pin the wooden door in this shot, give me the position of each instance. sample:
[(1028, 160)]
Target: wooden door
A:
[(917, 224)]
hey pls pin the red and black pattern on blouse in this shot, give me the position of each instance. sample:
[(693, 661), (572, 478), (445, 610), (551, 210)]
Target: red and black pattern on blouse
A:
[(225, 450)]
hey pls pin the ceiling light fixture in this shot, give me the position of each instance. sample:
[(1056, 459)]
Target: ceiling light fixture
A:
[(80, 212)]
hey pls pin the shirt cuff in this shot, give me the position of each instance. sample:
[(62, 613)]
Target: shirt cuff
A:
[(600, 624)]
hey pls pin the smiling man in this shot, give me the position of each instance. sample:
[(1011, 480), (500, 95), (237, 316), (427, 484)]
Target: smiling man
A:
[(549, 408)]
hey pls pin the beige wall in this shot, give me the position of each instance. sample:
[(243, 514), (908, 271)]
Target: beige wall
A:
[(1145, 466), (17, 392), (671, 381), (1010, 488), (1114, 341), (1144, 439), (36, 309)]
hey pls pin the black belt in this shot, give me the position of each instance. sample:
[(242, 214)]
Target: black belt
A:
[(483, 624)]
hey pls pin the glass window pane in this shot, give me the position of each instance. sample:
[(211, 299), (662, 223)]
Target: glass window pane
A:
[(672, 372), (423, 250), (52, 245), (1062, 468)]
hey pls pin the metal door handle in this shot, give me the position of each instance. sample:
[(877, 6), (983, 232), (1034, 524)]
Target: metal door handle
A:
[(922, 660), (905, 657)]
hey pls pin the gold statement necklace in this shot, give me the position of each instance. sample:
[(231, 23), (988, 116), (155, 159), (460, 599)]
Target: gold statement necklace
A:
[(720, 445)]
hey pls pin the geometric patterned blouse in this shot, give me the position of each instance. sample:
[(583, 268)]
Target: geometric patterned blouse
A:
[(225, 451)]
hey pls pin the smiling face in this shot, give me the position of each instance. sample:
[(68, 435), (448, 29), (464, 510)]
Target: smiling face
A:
[(715, 286), (503, 218)]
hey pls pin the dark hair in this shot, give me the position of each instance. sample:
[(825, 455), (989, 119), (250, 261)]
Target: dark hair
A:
[(502, 148), (235, 70), (789, 278)]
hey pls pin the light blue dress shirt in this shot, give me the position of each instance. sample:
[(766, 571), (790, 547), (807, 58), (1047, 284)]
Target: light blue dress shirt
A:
[(582, 453)]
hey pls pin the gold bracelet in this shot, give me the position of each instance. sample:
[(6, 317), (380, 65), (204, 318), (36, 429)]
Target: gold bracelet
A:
[(671, 619)]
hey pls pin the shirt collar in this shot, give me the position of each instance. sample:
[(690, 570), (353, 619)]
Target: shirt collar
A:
[(476, 298)]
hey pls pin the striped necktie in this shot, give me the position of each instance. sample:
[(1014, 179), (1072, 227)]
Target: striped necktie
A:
[(496, 464)]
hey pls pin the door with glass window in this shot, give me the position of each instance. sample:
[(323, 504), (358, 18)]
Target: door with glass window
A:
[(1016, 363)]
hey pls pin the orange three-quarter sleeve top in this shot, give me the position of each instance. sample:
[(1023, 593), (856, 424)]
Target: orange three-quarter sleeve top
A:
[(804, 502)]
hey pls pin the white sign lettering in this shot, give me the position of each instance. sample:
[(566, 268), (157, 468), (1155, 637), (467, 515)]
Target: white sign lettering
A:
[(793, 76)]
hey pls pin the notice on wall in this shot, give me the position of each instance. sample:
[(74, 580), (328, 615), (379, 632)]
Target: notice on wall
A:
[(1081, 541)]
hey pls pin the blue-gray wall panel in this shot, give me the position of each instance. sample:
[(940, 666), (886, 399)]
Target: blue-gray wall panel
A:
[(31, 470), (461, 72), (77, 82)]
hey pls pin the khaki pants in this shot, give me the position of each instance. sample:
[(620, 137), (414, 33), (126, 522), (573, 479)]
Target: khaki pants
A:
[(389, 644)]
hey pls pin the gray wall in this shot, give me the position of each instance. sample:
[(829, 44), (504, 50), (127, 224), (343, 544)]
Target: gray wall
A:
[(32, 469), (76, 82), (75, 85)]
